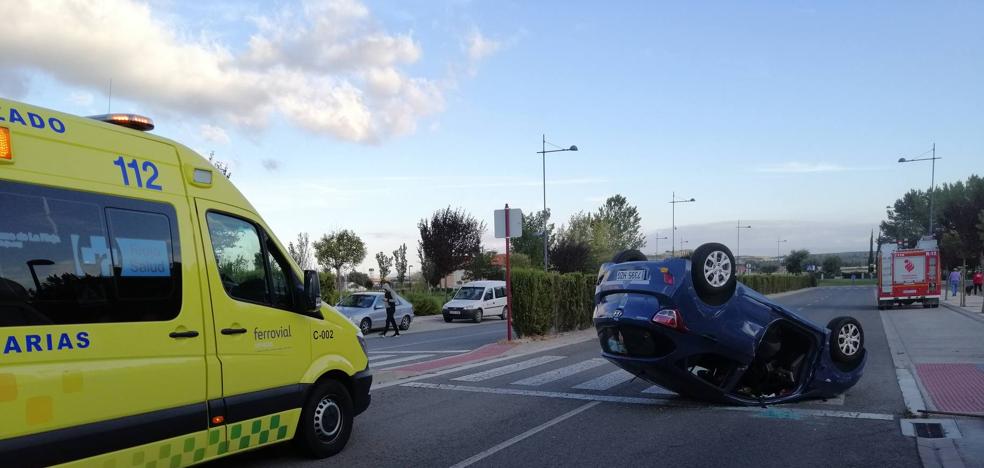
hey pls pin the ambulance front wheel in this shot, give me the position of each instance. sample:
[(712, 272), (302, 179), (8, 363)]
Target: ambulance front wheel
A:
[(326, 420)]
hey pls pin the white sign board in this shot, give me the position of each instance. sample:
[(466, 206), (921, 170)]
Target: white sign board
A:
[(515, 223), (910, 269)]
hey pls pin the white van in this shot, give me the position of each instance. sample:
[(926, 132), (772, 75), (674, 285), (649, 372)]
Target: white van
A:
[(476, 300)]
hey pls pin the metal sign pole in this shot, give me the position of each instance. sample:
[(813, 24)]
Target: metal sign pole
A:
[(508, 283)]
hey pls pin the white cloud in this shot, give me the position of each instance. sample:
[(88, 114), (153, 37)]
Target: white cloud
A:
[(214, 134), (799, 167), (81, 98), (326, 67), (478, 47)]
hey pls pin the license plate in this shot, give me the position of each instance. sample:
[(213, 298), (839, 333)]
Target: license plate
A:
[(631, 275), (454, 312)]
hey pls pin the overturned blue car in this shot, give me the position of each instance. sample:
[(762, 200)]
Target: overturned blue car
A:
[(691, 327)]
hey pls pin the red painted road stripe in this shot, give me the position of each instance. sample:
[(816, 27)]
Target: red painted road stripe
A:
[(487, 351), (954, 387)]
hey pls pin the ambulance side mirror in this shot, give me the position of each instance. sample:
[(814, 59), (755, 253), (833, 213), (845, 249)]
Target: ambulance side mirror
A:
[(311, 301)]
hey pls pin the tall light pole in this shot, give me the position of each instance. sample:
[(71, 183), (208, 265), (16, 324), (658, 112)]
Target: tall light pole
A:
[(683, 242), (932, 183), (543, 153), (658, 238), (674, 202), (738, 249), (778, 253)]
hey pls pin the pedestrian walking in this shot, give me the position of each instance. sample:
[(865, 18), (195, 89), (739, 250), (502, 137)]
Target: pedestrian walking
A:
[(390, 297), (978, 282), (954, 282)]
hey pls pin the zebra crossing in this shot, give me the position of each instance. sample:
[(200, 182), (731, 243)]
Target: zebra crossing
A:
[(386, 360), (569, 377)]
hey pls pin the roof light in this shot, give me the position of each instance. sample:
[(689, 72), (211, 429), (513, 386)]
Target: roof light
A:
[(203, 176), (134, 121), (6, 152)]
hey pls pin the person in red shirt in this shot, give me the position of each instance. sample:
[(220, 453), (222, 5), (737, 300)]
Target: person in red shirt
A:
[(978, 281)]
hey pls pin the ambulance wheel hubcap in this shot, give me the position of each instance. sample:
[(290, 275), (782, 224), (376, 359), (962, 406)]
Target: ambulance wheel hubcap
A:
[(327, 419)]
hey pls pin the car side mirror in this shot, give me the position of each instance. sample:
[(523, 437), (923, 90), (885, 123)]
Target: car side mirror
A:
[(311, 299)]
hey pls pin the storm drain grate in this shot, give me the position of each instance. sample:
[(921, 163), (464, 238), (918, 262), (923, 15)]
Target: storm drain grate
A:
[(929, 430)]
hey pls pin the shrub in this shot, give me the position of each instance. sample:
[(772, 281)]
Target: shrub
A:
[(772, 284), (423, 304), (544, 301)]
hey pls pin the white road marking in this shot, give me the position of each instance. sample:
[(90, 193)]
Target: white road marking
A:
[(654, 401), (606, 381), (657, 390), (402, 359), (379, 356), (507, 369), (557, 374), (526, 435), (421, 351), (436, 340)]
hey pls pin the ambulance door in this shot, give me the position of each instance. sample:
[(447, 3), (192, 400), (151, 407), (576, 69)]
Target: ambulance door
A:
[(263, 343)]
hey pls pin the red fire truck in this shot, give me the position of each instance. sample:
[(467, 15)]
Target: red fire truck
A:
[(906, 276)]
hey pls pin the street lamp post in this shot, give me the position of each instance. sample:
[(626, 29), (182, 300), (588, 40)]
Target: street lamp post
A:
[(543, 153), (674, 202), (932, 182), (683, 242), (658, 238), (410, 275), (778, 253), (738, 248)]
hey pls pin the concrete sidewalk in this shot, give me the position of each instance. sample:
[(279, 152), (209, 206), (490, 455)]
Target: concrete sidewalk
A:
[(972, 304), (941, 353)]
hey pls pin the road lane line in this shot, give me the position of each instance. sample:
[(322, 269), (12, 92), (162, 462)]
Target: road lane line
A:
[(402, 359), (508, 369), (379, 356), (526, 435), (671, 402), (606, 381), (453, 351), (456, 337), (657, 390), (557, 374)]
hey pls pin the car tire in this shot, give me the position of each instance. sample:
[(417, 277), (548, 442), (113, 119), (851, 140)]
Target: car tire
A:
[(405, 323), (505, 313), (366, 326), (631, 255), (447, 318), (713, 271), (478, 316), (326, 420), (846, 339)]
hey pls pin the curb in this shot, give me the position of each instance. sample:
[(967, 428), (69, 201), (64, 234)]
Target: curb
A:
[(963, 311)]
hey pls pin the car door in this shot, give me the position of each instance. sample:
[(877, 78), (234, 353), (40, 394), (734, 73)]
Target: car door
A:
[(488, 302), (378, 311), (500, 298), (262, 343)]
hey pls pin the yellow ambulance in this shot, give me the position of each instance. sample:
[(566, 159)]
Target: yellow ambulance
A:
[(148, 316)]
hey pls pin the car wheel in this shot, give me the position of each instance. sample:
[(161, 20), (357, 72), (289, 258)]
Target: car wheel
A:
[(712, 268), (478, 316), (405, 323), (447, 318), (631, 255), (366, 326), (505, 313), (846, 339), (326, 420)]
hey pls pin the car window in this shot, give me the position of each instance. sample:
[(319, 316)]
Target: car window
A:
[(236, 244), (469, 293), (361, 301), (500, 292), (280, 279), (488, 295), (70, 257)]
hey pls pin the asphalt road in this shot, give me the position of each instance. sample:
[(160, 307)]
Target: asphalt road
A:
[(563, 407)]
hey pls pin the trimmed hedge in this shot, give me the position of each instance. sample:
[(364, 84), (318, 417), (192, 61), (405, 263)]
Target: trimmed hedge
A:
[(772, 284), (544, 301), (423, 304)]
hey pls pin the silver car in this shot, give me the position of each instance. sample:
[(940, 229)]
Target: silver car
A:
[(368, 310)]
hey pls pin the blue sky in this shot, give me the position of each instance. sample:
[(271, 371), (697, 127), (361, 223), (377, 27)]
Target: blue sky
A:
[(372, 115)]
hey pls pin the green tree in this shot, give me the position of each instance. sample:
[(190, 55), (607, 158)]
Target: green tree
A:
[(831, 265), (794, 261), (569, 255), (908, 219), (385, 265), (338, 250), (768, 268), (531, 242), (301, 251), (358, 277), (625, 223), (400, 263), (483, 267), (449, 240)]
